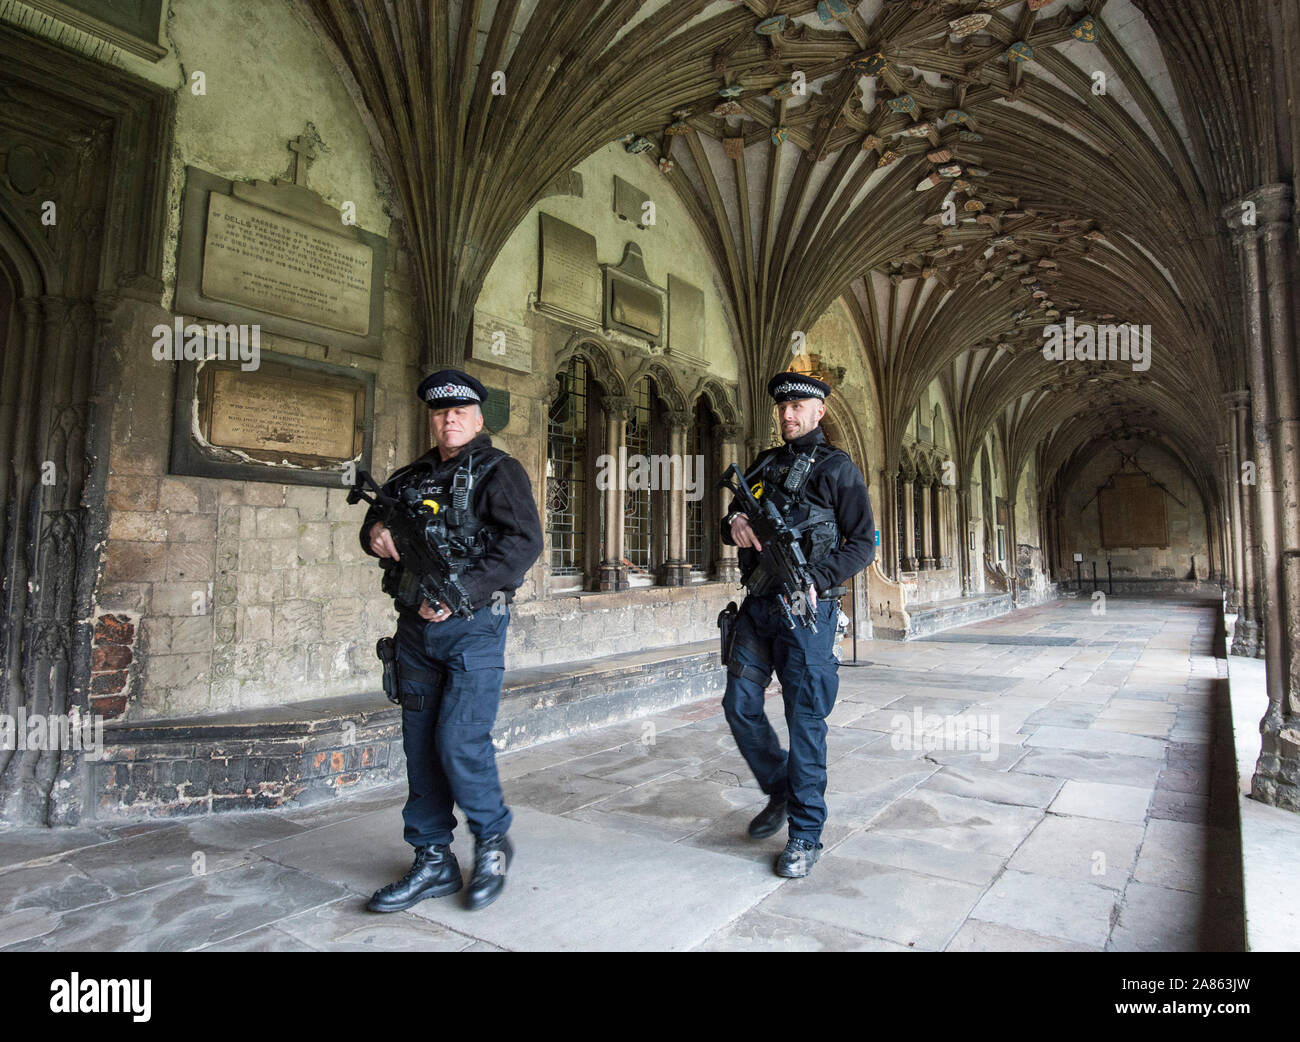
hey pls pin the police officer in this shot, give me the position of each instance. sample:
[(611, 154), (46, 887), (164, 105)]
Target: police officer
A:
[(830, 500), (450, 668)]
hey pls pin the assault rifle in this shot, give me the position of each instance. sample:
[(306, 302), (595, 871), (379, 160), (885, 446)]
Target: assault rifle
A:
[(421, 540), (782, 558)]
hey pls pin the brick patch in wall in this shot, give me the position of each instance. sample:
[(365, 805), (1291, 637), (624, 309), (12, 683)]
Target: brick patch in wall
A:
[(112, 655)]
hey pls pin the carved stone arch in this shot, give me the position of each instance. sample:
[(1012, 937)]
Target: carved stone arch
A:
[(599, 360), (722, 403), (669, 389), (848, 431), (27, 261)]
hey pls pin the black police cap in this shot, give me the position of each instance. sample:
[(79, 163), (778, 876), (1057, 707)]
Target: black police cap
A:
[(448, 388), (789, 387)]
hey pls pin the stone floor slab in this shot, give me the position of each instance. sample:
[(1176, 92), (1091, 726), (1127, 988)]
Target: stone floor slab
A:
[(1050, 906)]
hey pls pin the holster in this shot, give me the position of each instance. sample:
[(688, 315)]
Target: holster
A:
[(386, 649), (727, 629)]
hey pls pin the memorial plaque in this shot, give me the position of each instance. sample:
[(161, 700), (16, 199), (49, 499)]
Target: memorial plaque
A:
[(266, 414), (636, 308), (279, 257), (569, 276), (628, 201), (291, 420), (1132, 513), (502, 343), (685, 320), (268, 261), (634, 304)]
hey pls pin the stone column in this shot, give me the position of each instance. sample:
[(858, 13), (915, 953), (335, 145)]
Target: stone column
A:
[(909, 525), (1265, 250), (941, 525), (613, 572), (677, 572), (963, 542), (927, 526), (728, 436), (1247, 638), (1229, 523)]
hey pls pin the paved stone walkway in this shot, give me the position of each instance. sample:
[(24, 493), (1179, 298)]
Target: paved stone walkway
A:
[(1050, 780)]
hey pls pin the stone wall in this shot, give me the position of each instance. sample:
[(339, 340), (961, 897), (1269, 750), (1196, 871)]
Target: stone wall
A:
[(1186, 557)]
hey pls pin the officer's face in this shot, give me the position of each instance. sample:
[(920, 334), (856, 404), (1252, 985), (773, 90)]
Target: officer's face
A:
[(454, 427), (800, 416)]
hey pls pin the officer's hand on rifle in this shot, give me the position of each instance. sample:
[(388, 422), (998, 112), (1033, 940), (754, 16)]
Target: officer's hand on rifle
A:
[(381, 541), (812, 597), (431, 614), (742, 533)]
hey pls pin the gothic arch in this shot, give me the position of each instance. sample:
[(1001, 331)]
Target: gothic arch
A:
[(599, 360)]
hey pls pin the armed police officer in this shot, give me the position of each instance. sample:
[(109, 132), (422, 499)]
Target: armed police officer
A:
[(450, 664), (822, 496)]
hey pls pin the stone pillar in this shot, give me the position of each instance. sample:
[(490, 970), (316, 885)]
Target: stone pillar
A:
[(927, 526), (1265, 249), (727, 435), (677, 572), (1246, 640), (909, 525), (963, 541), (613, 572), (1230, 526), (941, 525)]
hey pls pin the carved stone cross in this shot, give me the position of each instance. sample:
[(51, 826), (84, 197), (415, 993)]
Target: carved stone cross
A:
[(302, 151)]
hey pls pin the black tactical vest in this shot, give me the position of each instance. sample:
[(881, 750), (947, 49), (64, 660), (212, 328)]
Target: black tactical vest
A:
[(784, 481), (468, 538)]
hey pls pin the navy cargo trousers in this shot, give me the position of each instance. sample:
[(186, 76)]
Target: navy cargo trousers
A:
[(454, 670), (806, 666)]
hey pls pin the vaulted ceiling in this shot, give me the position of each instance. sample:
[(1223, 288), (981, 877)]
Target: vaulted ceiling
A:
[(960, 173)]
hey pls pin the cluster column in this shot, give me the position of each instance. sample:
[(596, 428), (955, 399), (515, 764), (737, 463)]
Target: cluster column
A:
[(677, 572), (728, 437), (613, 572), (1264, 245)]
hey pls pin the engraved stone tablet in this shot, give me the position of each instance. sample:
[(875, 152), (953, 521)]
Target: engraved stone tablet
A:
[(280, 257), (569, 282), (502, 343), (635, 308), (685, 320), (269, 261), (633, 304), (628, 201)]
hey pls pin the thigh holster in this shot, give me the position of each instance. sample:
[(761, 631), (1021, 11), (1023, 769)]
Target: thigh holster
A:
[(759, 672)]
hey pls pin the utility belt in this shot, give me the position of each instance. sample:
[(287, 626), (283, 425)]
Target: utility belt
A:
[(386, 650)]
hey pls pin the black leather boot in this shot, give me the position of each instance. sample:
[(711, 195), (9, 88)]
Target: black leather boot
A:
[(492, 856), (798, 858), (770, 818), (435, 873)]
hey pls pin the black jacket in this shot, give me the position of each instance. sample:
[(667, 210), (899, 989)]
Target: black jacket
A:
[(837, 484), (503, 500)]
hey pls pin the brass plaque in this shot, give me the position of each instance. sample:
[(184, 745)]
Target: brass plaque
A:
[(276, 414), (569, 274), (256, 258)]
